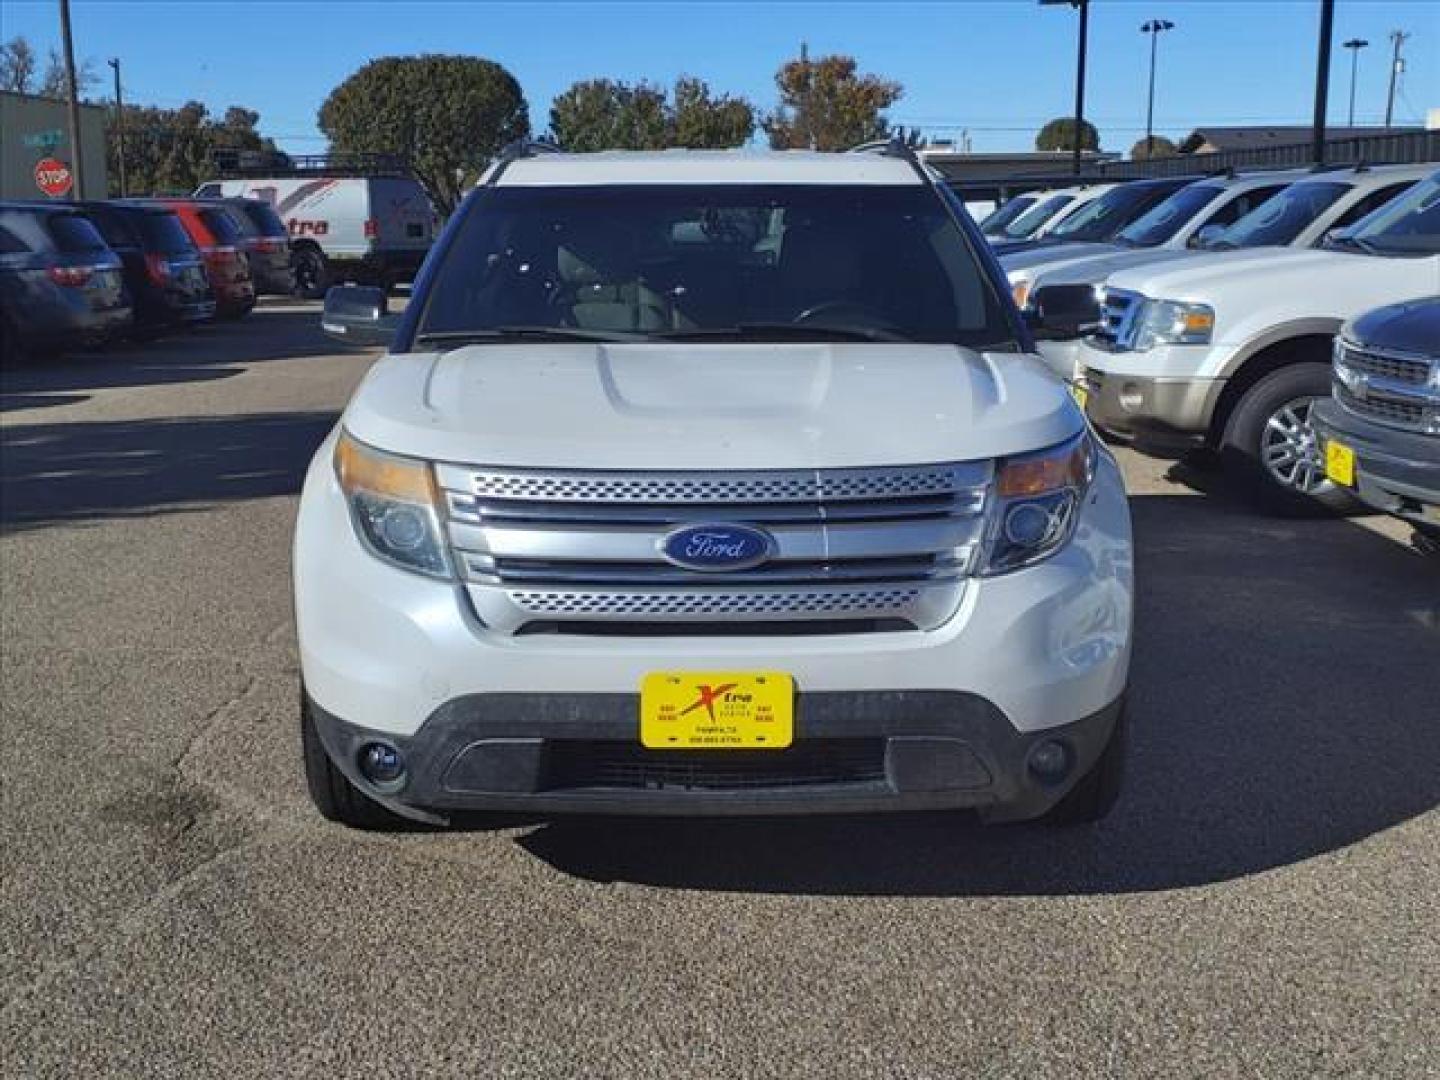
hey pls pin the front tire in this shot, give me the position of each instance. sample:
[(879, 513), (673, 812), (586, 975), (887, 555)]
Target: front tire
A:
[(312, 273), (331, 791), (1272, 444)]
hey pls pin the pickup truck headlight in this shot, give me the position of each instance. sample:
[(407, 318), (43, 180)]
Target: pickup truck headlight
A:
[(1036, 504), (392, 502), (1172, 322)]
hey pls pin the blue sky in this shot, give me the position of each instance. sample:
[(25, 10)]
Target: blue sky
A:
[(998, 68)]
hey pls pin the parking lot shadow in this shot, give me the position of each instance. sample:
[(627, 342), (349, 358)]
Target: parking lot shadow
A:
[(1285, 703), (211, 352), (52, 473)]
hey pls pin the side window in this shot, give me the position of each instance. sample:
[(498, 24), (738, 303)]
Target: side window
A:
[(10, 244), (1241, 205), (1376, 199), (208, 191)]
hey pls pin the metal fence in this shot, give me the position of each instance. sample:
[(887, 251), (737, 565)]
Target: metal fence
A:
[(1392, 148)]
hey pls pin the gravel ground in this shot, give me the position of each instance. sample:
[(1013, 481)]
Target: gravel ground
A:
[(1262, 903)]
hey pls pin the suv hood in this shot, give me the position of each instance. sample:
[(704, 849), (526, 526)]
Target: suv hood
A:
[(1096, 268), (710, 406), (1204, 275), (1054, 252)]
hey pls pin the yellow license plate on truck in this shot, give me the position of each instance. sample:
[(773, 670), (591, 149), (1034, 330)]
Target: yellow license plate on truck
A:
[(1339, 463), (717, 710)]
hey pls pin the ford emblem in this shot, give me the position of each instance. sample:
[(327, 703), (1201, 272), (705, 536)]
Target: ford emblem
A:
[(716, 548)]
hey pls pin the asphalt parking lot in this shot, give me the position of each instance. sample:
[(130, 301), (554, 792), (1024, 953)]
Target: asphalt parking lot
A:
[(1262, 903)]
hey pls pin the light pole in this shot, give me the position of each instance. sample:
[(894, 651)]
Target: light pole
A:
[(77, 166), (1355, 44), (1155, 27), (1083, 6), (119, 126)]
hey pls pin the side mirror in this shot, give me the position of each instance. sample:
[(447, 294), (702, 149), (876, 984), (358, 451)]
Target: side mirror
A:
[(1062, 312), (1206, 236), (358, 315)]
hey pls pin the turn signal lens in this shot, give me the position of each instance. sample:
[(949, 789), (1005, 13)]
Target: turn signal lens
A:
[(1048, 471), (1020, 292)]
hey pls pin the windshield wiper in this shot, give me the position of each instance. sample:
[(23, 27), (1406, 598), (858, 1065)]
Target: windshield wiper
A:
[(491, 335), (765, 331)]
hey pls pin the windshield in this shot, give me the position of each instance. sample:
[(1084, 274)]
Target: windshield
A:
[(1027, 223), (1162, 222), (1410, 225), (1279, 220), (781, 262), (997, 221), (1107, 215)]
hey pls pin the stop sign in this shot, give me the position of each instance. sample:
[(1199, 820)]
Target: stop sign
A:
[(53, 177)]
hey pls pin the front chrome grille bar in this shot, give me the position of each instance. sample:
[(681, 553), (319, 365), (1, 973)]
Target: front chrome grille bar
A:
[(892, 544)]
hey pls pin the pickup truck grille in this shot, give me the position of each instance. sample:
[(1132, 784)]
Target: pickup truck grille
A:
[(880, 546), (1400, 390), (1117, 316)]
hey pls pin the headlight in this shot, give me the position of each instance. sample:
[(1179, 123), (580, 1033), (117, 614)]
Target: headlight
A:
[(392, 502), (1172, 322), (1036, 504)]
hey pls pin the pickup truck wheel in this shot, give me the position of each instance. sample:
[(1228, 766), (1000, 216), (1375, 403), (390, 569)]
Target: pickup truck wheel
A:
[(333, 794), (1095, 793), (1273, 445), (312, 273)]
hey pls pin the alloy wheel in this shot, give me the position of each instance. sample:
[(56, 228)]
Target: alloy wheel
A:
[(1290, 449)]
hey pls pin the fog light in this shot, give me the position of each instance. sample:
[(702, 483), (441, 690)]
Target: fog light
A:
[(1131, 397), (1049, 760), (381, 763)]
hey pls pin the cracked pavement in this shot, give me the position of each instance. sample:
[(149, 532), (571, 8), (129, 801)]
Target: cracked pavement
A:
[(1263, 901)]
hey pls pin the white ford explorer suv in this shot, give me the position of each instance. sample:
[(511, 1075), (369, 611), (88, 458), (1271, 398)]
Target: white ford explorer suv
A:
[(712, 483), (1230, 351)]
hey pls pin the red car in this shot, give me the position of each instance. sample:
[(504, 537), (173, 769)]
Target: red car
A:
[(221, 242)]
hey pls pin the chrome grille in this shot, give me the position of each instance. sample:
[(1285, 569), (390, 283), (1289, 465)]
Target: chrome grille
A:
[(1387, 365), (1116, 315), (892, 544), (1401, 390)]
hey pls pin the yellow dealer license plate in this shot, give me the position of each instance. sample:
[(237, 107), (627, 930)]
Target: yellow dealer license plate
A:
[(1339, 463), (717, 710), (1081, 393)]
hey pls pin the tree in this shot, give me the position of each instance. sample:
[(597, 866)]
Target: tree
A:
[(447, 115), (169, 151), (826, 104), (1143, 149), (700, 121), (602, 114), (1059, 134), (17, 66), (1191, 143), (54, 84)]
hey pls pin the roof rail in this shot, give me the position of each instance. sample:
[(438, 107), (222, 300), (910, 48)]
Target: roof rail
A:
[(520, 148), (895, 147), (233, 163)]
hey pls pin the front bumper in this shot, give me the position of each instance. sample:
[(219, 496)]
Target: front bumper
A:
[(1397, 472), (854, 752), (1162, 398)]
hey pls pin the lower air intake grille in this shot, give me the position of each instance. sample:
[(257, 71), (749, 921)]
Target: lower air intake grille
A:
[(594, 764)]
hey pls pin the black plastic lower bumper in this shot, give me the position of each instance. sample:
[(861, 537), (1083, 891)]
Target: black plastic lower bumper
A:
[(854, 752), (1395, 471)]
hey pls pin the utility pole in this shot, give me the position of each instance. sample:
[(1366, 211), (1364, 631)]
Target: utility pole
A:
[(1354, 45), (77, 167), (1322, 79), (1399, 37), (807, 75), (119, 127), (1083, 6), (1155, 27)]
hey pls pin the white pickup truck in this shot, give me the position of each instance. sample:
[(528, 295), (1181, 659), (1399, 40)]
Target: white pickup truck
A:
[(711, 483), (1231, 352)]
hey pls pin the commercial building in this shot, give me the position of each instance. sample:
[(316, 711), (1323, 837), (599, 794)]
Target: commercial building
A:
[(35, 129)]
